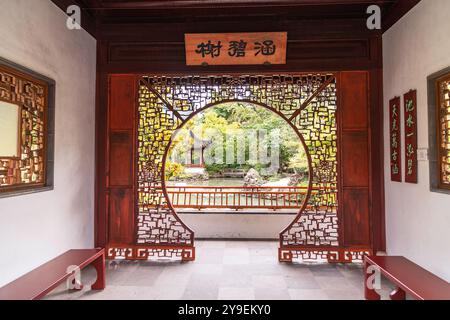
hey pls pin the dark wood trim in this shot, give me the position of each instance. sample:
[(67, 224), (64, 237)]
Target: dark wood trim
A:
[(377, 166), (88, 20), (101, 125), (94, 11), (398, 10), (184, 4)]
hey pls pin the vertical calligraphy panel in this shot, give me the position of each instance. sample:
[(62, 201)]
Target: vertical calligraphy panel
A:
[(410, 105), (395, 139)]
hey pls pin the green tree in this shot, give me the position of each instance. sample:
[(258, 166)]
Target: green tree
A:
[(240, 115)]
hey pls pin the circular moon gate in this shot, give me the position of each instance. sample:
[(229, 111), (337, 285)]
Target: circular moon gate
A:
[(307, 101), (257, 104)]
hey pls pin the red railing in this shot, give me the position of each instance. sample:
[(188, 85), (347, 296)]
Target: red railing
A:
[(232, 197)]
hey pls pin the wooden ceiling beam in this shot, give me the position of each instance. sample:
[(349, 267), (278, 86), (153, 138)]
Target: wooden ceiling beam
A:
[(398, 10), (173, 4), (88, 19), (94, 12)]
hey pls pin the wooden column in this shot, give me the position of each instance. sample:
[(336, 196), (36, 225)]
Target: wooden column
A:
[(121, 159), (354, 148)]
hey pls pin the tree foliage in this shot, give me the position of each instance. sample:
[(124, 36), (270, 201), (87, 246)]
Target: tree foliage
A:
[(222, 119)]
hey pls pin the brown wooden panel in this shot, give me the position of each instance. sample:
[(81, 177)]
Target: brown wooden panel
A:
[(121, 158), (355, 159), (297, 50), (321, 45), (356, 216), (121, 216), (354, 99), (235, 48), (121, 102)]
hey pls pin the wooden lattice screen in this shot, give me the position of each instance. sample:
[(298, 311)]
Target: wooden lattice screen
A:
[(28, 98), (309, 102), (443, 125)]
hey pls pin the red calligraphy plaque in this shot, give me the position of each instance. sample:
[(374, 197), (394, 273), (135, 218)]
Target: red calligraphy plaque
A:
[(395, 139), (410, 121)]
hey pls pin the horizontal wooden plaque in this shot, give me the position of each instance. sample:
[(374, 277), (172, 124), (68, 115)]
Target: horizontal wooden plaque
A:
[(235, 48)]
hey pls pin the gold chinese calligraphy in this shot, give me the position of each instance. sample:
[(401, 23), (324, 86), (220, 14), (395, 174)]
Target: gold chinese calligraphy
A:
[(410, 122), (395, 139)]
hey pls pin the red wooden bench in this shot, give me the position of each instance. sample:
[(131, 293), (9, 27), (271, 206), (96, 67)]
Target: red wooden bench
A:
[(407, 276), (39, 282)]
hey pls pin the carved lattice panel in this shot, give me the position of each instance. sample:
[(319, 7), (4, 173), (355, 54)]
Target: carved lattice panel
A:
[(323, 254), (140, 252), (28, 167), (156, 224), (308, 101), (317, 124), (444, 131)]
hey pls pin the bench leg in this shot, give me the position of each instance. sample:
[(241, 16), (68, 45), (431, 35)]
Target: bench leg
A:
[(369, 292), (397, 294), (99, 265)]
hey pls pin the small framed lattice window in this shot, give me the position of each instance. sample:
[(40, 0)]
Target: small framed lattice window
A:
[(439, 123), (443, 128), (26, 130)]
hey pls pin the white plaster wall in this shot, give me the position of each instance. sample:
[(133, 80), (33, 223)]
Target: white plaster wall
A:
[(35, 228), (237, 225), (417, 220)]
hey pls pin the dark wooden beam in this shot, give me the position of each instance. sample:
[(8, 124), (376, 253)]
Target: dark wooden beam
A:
[(397, 11), (88, 19), (92, 10), (171, 4)]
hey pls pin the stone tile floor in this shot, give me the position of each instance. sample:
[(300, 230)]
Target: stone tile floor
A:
[(235, 270)]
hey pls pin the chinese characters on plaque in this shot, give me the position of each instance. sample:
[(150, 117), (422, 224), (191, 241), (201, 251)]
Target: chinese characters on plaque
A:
[(410, 111), (395, 136), (236, 48)]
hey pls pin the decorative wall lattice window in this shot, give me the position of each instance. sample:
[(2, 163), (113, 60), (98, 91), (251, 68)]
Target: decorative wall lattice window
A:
[(443, 130), (26, 129)]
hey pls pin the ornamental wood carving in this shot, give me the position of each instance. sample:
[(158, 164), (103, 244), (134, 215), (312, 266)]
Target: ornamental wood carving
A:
[(27, 167), (443, 130), (308, 102)]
